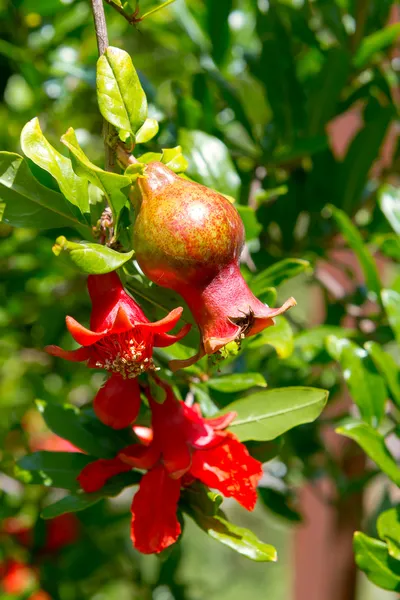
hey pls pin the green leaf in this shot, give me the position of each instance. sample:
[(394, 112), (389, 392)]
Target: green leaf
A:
[(276, 274), (389, 202), (387, 366), (366, 386), (41, 152), (375, 42), (251, 225), (266, 415), (148, 130), (237, 382), (373, 558), (80, 500), (55, 469), (121, 98), (327, 90), (30, 204), (150, 157), (280, 336), (66, 421), (389, 530), (356, 243), (203, 508), (373, 444), (111, 184), (174, 159), (91, 258), (209, 162), (352, 174), (391, 302)]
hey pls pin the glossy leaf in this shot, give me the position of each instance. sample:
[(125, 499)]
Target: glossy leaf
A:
[(376, 42), (389, 201), (356, 243), (209, 162), (111, 184), (91, 258), (388, 368), (277, 273), (203, 508), (174, 159), (391, 302), (389, 530), (148, 130), (121, 98), (237, 382), (30, 204), (373, 558), (55, 469), (279, 336), (373, 444), (366, 386), (251, 226), (264, 451), (35, 146), (67, 422), (266, 415)]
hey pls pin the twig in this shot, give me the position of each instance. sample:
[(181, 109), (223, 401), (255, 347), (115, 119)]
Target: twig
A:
[(132, 19), (100, 26)]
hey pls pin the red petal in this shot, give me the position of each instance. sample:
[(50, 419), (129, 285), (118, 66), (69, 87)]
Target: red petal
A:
[(108, 297), (162, 340), (122, 322), (230, 469), (222, 422), (165, 324), (84, 337), (154, 522), (118, 402), (96, 474), (140, 457), (78, 355)]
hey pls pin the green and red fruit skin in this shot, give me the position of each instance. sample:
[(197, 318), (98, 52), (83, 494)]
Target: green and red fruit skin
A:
[(189, 238)]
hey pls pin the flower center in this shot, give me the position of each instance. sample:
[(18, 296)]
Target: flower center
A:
[(124, 354)]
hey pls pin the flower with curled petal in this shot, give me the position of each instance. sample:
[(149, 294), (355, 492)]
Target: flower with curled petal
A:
[(120, 340), (184, 447)]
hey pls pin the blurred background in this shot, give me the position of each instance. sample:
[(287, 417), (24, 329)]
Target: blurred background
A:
[(288, 106)]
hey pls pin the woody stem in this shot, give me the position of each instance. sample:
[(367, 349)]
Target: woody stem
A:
[(100, 27)]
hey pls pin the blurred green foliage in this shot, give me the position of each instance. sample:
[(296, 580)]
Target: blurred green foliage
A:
[(250, 90)]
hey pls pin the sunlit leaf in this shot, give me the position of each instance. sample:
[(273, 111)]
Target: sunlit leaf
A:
[(91, 258), (121, 98), (373, 444), (266, 415), (373, 558), (41, 152)]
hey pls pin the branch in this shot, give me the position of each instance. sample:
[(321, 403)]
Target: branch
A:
[(133, 18), (100, 26)]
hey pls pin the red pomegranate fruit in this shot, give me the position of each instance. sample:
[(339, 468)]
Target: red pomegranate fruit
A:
[(189, 238)]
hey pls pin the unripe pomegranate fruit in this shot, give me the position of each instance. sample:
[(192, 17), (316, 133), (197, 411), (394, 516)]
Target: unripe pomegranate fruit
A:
[(189, 238)]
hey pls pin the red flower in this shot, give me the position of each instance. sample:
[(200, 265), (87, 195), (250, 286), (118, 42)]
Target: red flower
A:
[(121, 341), (16, 577), (184, 446)]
